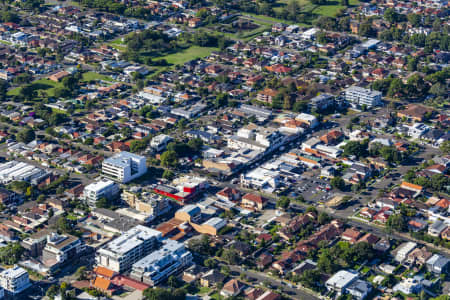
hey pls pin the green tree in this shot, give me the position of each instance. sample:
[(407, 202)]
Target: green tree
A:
[(221, 100), (26, 135), (445, 147), (283, 202), (167, 174), (169, 159), (396, 222), (338, 183), (11, 253)]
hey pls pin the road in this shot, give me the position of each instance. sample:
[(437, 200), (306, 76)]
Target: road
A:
[(259, 277)]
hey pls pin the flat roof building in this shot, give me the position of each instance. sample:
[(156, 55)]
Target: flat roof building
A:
[(14, 280), (157, 266), (358, 96), (124, 167), (120, 254), (104, 188)]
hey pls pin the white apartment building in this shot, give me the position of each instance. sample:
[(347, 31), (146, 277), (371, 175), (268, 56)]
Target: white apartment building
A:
[(159, 142), (124, 167), (156, 267), (61, 248), (358, 96), (257, 138), (120, 254), (103, 188), (14, 280)]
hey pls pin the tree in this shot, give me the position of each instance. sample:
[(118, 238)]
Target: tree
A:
[(52, 291), (338, 183), (11, 253), (283, 202), (414, 19), (195, 144), (344, 2), (157, 293), (445, 147), (26, 135), (167, 174), (396, 222), (230, 256), (63, 225), (390, 15), (355, 148), (103, 202), (221, 100), (173, 282), (138, 145), (169, 159), (70, 82), (323, 218), (210, 263), (80, 274), (3, 89)]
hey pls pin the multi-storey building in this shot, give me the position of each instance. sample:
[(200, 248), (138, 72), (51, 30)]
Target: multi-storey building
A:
[(14, 280), (156, 267), (104, 188), (358, 96), (61, 248), (124, 167), (120, 254)]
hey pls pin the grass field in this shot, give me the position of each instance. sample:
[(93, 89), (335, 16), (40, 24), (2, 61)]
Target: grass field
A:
[(329, 10), (88, 76), (188, 54), (47, 85)]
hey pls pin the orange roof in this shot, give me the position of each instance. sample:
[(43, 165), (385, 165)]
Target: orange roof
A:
[(102, 283), (105, 272), (411, 186)]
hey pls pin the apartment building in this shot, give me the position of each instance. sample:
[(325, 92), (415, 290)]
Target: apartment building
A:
[(61, 248), (124, 167), (160, 142), (257, 138), (120, 254), (14, 280), (170, 259), (104, 188), (358, 96)]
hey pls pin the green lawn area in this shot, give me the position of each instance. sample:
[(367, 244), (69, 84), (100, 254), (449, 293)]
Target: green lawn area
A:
[(331, 10), (204, 290), (88, 76), (188, 54), (6, 42), (45, 84)]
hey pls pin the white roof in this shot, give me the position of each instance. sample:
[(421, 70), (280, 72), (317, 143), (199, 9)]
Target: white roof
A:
[(341, 279)]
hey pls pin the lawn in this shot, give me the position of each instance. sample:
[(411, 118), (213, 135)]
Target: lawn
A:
[(88, 76), (332, 10), (45, 84), (188, 54)]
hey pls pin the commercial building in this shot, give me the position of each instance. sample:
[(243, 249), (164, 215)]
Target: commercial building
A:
[(171, 258), (358, 96), (257, 138), (14, 280), (183, 189), (104, 188), (146, 202), (20, 171), (124, 167), (120, 254)]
